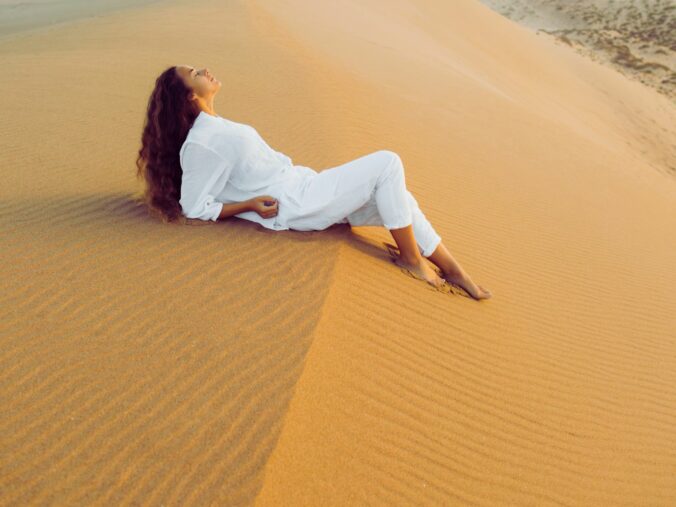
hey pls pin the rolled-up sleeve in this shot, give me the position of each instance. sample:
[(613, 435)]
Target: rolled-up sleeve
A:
[(205, 173)]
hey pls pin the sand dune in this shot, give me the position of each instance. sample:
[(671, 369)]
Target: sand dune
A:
[(26, 18), (227, 364), (636, 37)]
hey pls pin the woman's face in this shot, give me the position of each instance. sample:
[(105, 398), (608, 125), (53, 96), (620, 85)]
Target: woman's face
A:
[(200, 81)]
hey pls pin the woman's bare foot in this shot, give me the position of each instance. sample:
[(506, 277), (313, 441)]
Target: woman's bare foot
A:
[(421, 269), (464, 281)]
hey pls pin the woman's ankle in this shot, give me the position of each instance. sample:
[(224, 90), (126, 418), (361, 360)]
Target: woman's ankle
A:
[(454, 273), (413, 260)]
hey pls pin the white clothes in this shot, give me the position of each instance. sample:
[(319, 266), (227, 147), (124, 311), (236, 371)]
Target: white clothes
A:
[(366, 191), (224, 161)]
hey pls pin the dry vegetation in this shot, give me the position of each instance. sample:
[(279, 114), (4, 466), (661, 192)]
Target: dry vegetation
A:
[(637, 37)]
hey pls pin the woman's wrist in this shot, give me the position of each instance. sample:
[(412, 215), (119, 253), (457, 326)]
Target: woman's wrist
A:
[(235, 208)]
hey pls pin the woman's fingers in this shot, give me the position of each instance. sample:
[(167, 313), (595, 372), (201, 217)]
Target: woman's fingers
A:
[(269, 206), (273, 210)]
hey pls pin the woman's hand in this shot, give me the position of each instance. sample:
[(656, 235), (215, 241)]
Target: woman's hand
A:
[(265, 205)]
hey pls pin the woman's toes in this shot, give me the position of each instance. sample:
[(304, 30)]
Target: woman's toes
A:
[(486, 293)]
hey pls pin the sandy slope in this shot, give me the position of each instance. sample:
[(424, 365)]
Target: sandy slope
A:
[(636, 37), (228, 364), (22, 17)]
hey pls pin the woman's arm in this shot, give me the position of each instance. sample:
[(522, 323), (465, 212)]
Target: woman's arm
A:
[(266, 206), (234, 209), (205, 173)]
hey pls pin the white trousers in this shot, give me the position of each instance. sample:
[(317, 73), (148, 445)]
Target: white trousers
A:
[(369, 190)]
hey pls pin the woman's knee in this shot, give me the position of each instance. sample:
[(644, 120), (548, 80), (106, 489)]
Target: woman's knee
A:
[(392, 155), (394, 162)]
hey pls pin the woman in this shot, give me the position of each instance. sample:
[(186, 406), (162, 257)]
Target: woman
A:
[(200, 165)]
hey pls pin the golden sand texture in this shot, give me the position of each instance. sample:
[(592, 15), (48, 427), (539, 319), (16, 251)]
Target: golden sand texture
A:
[(26, 17), (636, 37), (151, 364)]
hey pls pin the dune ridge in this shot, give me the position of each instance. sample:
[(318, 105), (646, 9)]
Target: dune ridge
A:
[(229, 364)]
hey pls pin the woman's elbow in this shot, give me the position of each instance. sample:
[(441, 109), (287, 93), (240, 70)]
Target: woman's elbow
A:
[(211, 212)]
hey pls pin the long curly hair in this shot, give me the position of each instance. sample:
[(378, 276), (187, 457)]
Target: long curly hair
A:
[(169, 117)]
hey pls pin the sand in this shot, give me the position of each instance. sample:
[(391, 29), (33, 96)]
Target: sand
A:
[(636, 37), (226, 364), (26, 18)]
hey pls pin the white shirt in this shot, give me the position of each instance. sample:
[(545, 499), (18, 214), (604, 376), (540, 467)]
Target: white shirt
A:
[(224, 162)]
